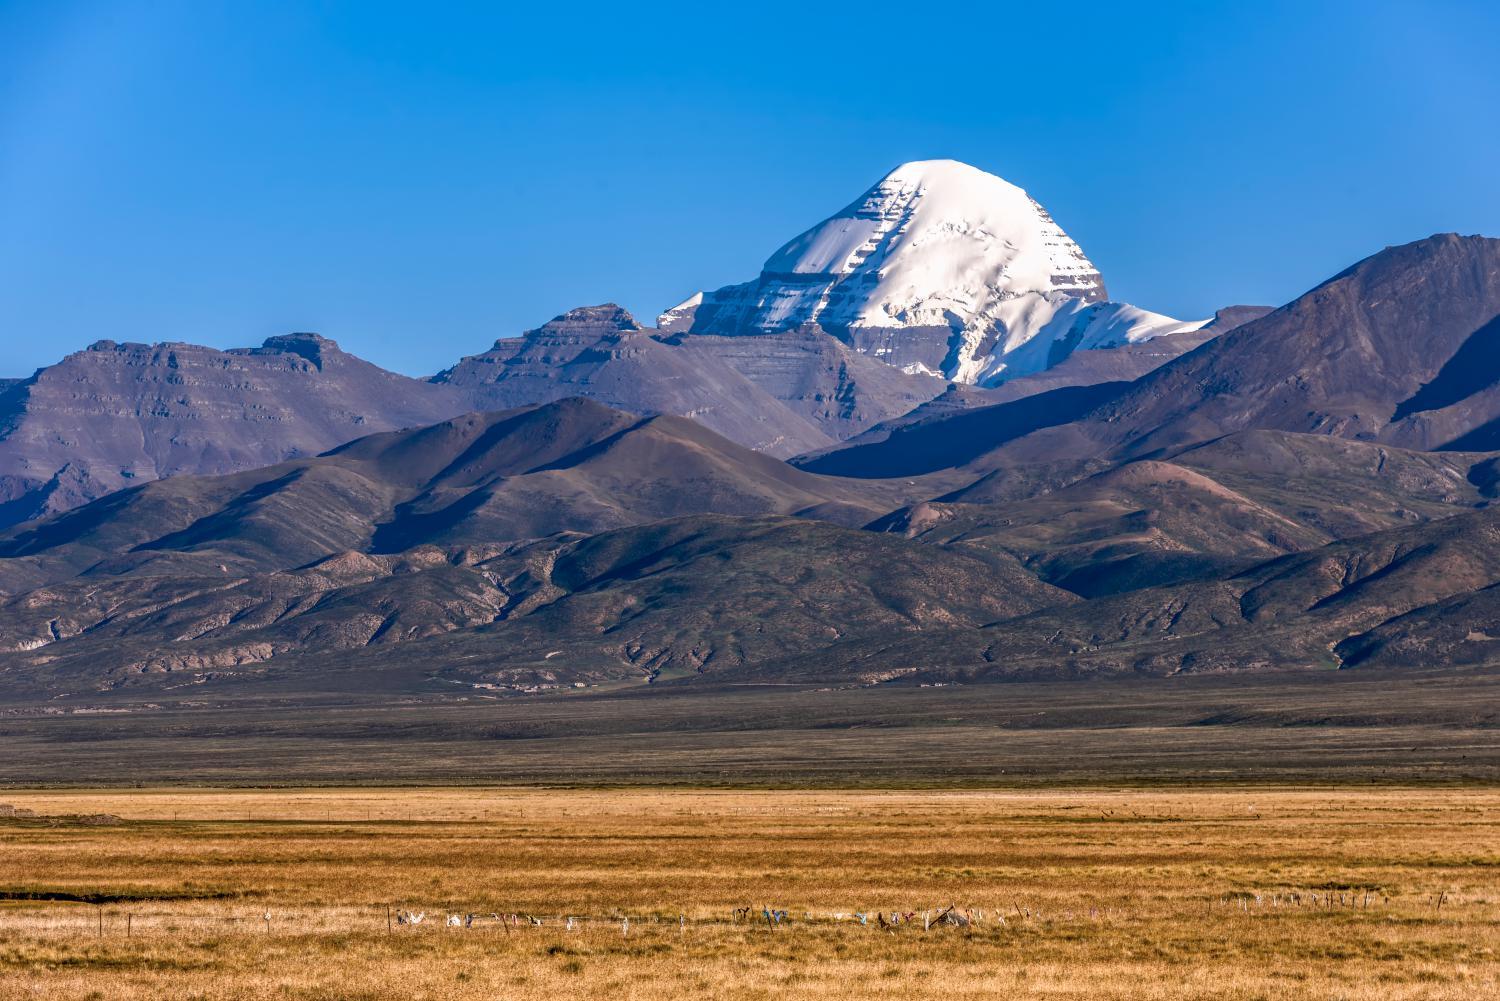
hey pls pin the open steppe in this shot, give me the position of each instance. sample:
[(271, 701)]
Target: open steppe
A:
[(1321, 728), (1318, 835), (1235, 892)]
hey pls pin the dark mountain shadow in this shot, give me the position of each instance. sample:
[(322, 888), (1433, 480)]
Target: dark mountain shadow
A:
[(953, 441), (1474, 366), (1484, 438)]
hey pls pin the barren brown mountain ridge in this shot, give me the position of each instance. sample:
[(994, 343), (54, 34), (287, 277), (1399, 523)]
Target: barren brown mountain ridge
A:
[(1299, 489)]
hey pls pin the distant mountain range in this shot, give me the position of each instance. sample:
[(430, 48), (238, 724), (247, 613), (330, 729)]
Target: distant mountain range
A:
[(1085, 490), (812, 377), (117, 414)]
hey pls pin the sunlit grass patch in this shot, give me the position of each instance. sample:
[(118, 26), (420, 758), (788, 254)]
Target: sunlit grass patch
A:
[(1384, 898)]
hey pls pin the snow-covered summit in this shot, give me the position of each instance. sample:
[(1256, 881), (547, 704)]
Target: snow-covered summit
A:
[(939, 228), (939, 267)]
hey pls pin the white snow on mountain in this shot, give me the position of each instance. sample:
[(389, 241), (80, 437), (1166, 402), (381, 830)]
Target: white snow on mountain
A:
[(680, 316), (986, 284)]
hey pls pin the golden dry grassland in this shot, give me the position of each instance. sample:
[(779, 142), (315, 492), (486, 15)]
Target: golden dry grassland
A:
[(1084, 894)]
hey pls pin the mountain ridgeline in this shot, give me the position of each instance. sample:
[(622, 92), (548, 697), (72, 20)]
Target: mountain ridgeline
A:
[(995, 473), (890, 333)]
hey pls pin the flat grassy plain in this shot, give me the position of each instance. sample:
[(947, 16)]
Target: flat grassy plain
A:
[(1085, 893), (1324, 727), (1313, 835)]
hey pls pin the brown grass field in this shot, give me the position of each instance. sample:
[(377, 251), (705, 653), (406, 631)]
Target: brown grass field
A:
[(1084, 893)]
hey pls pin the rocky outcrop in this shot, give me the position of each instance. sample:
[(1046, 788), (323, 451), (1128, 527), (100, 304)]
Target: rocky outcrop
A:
[(781, 395), (602, 353)]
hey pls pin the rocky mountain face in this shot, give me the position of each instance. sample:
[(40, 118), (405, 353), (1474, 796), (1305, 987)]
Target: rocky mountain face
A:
[(700, 595), (1120, 365), (571, 466), (1213, 510), (1373, 354), (650, 544), (122, 414), (603, 353), (782, 395), (118, 414), (1413, 597), (562, 545), (1230, 558), (940, 268)]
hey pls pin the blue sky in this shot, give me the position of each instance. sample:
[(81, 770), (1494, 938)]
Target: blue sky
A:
[(415, 180)]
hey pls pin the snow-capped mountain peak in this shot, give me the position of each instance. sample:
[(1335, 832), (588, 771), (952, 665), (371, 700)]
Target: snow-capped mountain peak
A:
[(934, 227), (941, 267)]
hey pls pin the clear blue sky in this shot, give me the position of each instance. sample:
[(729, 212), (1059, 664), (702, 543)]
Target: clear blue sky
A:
[(415, 180)]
